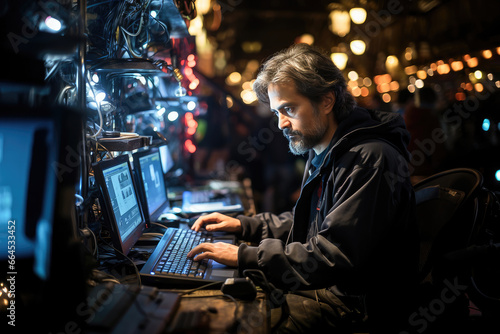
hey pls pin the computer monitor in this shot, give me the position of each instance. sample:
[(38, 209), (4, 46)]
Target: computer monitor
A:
[(24, 166), (150, 179), (121, 206), (41, 248), (167, 161)]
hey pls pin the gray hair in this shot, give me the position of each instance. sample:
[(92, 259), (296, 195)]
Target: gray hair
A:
[(313, 73)]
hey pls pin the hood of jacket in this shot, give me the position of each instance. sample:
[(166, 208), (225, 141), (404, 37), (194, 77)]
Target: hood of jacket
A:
[(364, 124)]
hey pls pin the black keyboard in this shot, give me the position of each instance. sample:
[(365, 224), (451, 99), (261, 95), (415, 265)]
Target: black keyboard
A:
[(174, 260)]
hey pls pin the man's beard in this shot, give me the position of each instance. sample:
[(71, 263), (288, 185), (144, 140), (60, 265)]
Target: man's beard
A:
[(300, 143)]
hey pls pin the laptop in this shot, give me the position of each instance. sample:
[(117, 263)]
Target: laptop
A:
[(151, 183), (149, 172), (126, 220), (198, 201), (121, 207)]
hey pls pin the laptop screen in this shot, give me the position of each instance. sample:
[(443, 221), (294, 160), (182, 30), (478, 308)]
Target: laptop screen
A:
[(123, 210), (167, 162), (152, 177)]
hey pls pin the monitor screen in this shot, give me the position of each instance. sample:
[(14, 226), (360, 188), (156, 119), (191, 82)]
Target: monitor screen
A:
[(123, 211), (167, 162), (152, 178), (27, 191)]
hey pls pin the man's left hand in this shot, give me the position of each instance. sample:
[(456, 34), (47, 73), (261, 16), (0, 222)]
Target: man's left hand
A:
[(221, 252)]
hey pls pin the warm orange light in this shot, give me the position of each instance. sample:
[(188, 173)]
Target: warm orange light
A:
[(356, 91), (478, 87), (352, 84), (365, 91), (443, 69), (409, 70), (487, 54), (472, 62), (385, 87), (422, 74), (394, 85), (460, 96), (386, 98), (457, 65)]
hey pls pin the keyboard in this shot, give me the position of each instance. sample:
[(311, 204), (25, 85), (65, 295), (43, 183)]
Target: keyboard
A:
[(168, 265), (174, 260), (199, 201)]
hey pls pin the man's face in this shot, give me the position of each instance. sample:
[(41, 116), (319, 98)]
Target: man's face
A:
[(302, 123)]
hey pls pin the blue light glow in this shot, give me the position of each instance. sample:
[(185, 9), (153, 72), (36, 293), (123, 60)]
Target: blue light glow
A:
[(497, 175), (53, 23), (486, 124)]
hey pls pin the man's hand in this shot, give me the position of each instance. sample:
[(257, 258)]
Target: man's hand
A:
[(221, 252), (217, 222)]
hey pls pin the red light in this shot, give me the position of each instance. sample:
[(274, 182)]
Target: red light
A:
[(190, 147), (188, 71), (190, 57)]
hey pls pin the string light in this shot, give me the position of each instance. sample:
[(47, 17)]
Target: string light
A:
[(358, 47), (358, 15)]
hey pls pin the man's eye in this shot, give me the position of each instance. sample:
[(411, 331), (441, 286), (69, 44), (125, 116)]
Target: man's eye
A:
[(288, 110)]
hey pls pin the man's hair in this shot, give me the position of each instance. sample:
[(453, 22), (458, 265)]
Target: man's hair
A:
[(313, 73)]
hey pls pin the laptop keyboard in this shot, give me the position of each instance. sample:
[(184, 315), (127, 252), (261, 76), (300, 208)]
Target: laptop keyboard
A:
[(174, 260), (202, 196)]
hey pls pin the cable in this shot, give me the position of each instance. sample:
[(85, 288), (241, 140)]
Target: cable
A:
[(138, 29), (161, 225), (125, 256), (129, 49), (62, 92), (482, 293), (199, 288), (88, 80), (80, 200)]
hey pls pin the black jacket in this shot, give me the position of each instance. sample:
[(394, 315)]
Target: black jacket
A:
[(367, 239)]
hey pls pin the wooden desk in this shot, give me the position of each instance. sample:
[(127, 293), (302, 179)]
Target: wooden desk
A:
[(208, 311)]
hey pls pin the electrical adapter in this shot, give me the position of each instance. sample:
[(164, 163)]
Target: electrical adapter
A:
[(241, 288)]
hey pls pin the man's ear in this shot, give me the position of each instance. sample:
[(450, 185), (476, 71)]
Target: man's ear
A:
[(327, 102)]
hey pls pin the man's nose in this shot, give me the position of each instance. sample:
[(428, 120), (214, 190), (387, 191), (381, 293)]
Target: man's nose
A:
[(283, 121)]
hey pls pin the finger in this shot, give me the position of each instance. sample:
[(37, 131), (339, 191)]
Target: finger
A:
[(203, 256), (204, 247), (203, 220), (215, 227)]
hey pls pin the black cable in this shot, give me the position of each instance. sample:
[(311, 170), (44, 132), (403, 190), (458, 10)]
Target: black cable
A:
[(126, 257)]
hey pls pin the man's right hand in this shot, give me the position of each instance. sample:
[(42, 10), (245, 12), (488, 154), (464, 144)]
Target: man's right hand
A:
[(217, 222)]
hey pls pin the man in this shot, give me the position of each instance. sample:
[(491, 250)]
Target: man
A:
[(350, 242)]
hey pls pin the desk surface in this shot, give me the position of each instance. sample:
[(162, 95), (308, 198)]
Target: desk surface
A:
[(137, 309), (209, 311)]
